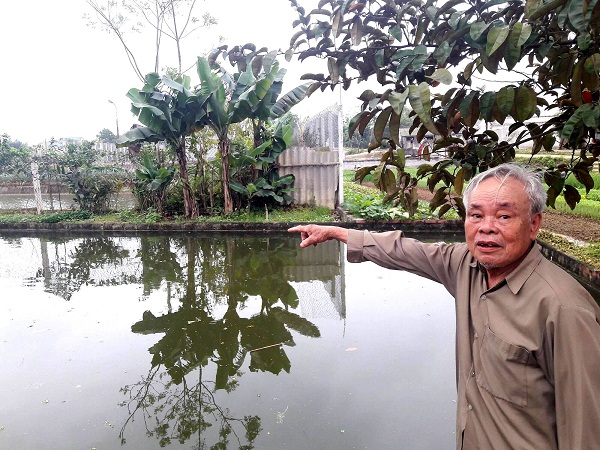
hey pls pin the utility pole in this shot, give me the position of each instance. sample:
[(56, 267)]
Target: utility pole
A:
[(116, 116)]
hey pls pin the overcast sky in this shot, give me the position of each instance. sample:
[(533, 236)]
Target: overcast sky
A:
[(58, 74)]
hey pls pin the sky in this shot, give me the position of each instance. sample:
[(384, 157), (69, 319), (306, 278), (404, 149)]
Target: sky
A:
[(59, 76)]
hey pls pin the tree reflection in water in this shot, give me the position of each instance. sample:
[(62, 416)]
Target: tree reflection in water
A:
[(212, 288)]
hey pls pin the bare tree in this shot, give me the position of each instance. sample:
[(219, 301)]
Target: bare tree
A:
[(173, 19)]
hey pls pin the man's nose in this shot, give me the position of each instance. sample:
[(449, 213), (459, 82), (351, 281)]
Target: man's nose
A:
[(488, 225)]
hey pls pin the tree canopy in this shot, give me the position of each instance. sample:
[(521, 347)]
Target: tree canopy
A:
[(105, 135), (412, 49)]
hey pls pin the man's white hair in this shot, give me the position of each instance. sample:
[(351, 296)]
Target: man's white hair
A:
[(534, 189)]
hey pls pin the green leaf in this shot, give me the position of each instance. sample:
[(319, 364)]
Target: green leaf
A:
[(289, 100), (420, 100), (486, 104), (517, 37), (459, 180), (438, 199), (333, 68), (531, 7), (576, 14), (397, 101), (572, 127), (381, 123), (505, 99), (442, 76), (238, 187), (525, 103), (495, 38), (361, 173), (584, 177), (442, 53), (395, 127), (137, 135), (469, 109), (556, 182), (477, 29), (591, 116), (358, 30), (572, 196), (552, 194), (548, 142)]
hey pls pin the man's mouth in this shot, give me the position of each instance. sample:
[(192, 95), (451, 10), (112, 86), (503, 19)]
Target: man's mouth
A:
[(487, 244)]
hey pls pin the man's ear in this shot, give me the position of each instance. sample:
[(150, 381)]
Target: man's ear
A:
[(536, 223)]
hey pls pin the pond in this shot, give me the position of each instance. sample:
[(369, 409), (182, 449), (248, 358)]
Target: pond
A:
[(232, 341), (57, 201)]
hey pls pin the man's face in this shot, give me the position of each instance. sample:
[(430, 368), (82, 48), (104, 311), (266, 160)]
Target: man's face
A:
[(499, 227)]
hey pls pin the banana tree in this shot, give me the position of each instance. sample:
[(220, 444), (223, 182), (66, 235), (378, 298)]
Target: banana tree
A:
[(251, 93), (152, 183), (254, 172), (170, 112)]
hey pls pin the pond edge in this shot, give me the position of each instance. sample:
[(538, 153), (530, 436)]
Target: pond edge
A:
[(584, 272)]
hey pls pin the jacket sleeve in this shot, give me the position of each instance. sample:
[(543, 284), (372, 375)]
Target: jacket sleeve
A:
[(574, 334)]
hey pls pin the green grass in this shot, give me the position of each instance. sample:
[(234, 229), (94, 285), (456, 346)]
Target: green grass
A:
[(284, 214), (585, 208), (289, 214), (367, 203), (19, 218), (589, 254)]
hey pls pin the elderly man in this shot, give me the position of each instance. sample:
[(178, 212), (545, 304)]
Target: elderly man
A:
[(527, 334)]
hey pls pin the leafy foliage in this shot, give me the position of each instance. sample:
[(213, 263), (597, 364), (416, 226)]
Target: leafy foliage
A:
[(369, 204), (169, 111), (105, 135), (94, 187), (254, 172), (15, 158), (409, 47), (151, 184), (66, 216), (172, 111)]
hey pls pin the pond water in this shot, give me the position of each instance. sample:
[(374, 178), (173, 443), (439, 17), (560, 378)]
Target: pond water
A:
[(57, 202), (189, 341)]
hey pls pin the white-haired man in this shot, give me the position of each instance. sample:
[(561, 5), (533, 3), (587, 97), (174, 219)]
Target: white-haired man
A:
[(527, 333)]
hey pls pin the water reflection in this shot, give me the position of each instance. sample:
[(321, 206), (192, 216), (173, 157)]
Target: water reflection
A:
[(218, 278), (218, 341), (227, 300), (24, 198)]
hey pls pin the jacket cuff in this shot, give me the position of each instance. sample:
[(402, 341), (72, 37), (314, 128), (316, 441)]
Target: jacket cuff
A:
[(355, 246)]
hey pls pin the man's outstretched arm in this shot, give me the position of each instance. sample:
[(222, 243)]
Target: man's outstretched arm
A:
[(316, 234)]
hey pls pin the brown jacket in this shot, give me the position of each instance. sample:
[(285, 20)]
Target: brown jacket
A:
[(528, 349)]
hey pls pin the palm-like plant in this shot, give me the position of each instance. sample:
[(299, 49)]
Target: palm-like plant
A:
[(152, 183), (170, 112), (251, 93)]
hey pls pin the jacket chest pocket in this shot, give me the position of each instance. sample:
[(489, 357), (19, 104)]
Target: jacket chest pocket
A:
[(504, 369)]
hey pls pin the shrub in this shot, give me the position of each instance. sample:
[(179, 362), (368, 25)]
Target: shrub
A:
[(94, 187), (66, 216), (367, 203)]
